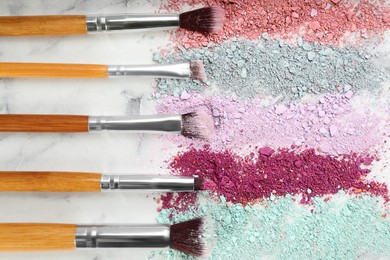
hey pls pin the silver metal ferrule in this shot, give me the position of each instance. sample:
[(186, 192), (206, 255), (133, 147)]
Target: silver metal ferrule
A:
[(176, 70), (105, 23), (145, 182), (148, 123), (122, 236)]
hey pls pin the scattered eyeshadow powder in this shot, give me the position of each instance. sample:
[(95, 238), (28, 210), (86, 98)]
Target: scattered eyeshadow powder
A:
[(180, 201), (342, 227), (331, 124), (250, 69), (266, 173), (324, 21)]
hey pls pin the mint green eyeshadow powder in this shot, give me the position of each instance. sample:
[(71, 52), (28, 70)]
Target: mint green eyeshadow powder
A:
[(341, 228)]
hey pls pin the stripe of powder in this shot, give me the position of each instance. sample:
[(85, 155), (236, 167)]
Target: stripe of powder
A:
[(266, 173), (333, 124), (248, 69), (324, 21), (339, 228)]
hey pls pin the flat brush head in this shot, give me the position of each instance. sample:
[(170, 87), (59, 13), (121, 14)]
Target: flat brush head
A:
[(203, 184), (188, 237), (204, 20), (197, 70), (197, 125), (199, 183)]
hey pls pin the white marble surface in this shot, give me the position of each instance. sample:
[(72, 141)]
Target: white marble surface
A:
[(116, 153), (97, 152)]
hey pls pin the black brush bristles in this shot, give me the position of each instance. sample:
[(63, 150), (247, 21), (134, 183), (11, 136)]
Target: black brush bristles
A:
[(197, 125), (204, 20), (197, 70), (203, 184), (198, 183), (188, 237)]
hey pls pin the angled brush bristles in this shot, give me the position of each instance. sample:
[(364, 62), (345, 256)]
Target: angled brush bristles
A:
[(204, 20), (188, 237), (197, 125), (197, 70)]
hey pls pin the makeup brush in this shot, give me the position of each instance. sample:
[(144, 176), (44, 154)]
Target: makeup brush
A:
[(191, 69), (41, 181), (203, 20), (192, 125), (186, 237)]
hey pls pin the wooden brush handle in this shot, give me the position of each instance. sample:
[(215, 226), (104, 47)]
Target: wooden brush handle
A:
[(52, 70), (42, 25), (49, 182), (37, 237), (43, 123)]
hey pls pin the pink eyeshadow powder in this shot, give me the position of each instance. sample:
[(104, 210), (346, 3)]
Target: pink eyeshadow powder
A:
[(330, 125), (266, 173), (324, 21)]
